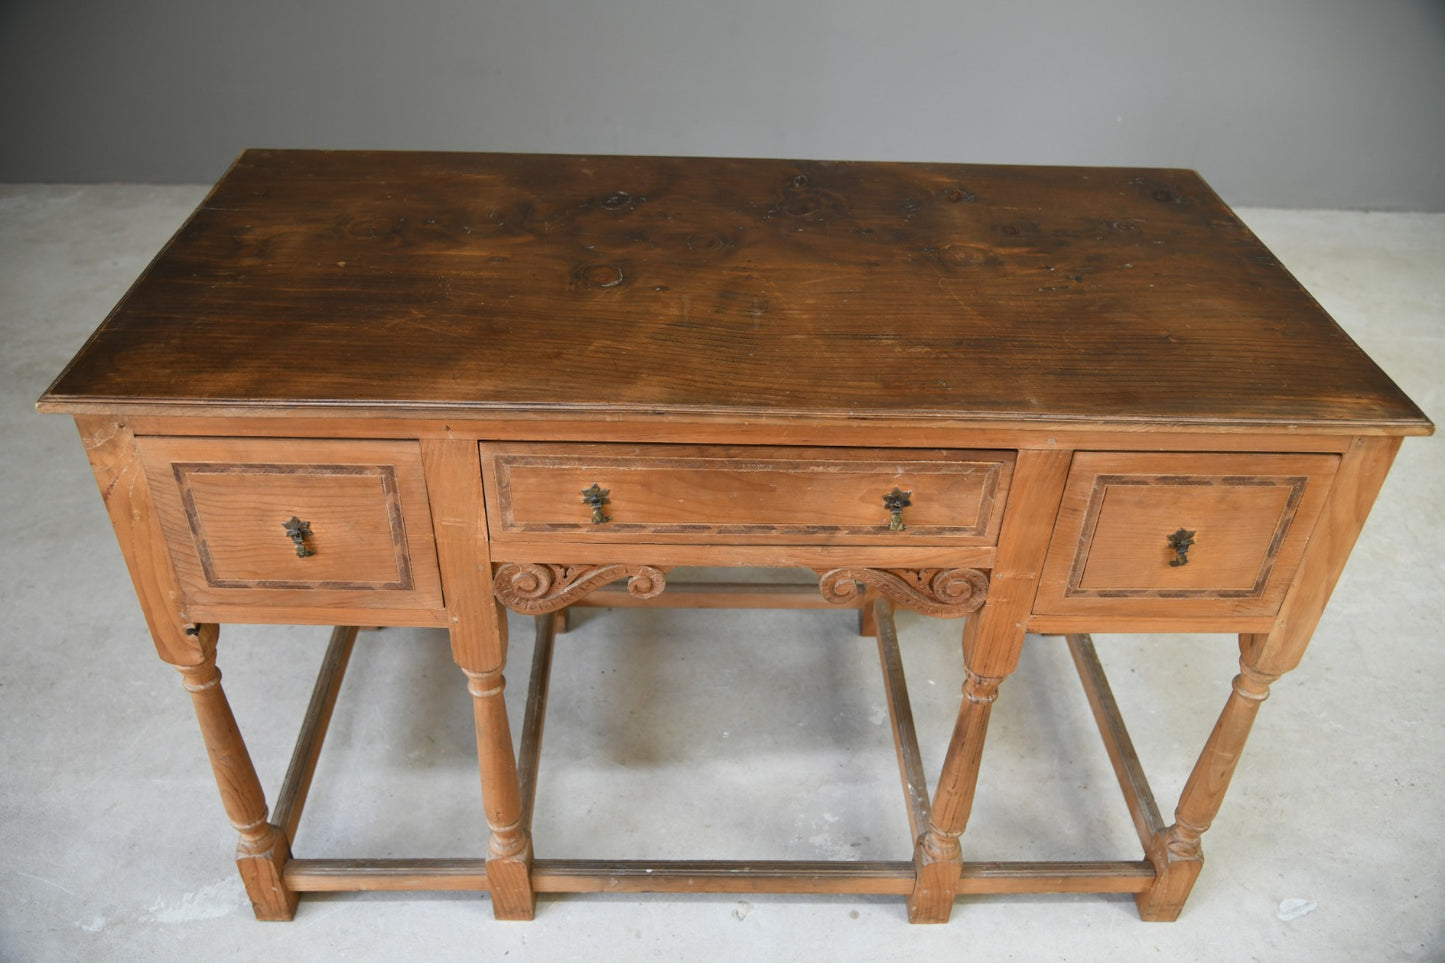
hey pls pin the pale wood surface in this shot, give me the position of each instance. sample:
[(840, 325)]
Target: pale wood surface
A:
[(296, 786), (991, 645), (223, 503), (1252, 516), (479, 646), (429, 357), (1127, 768), (263, 849), (110, 446), (1362, 472), (900, 713), (789, 495)]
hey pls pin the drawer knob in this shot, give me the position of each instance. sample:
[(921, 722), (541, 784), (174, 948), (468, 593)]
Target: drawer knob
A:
[(594, 498), (895, 501), (298, 531), (1180, 542)]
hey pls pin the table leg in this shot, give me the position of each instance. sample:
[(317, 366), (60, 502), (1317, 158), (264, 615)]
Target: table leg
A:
[(939, 855), (1176, 851), (509, 845), (262, 851), (479, 648), (992, 641)]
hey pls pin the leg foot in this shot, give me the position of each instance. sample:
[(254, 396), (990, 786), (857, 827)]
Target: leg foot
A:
[(262, 850), (1177, 857), (510, 880), (261, 874), (938, 857), (938, 861), (1177, 853), (509, 847)]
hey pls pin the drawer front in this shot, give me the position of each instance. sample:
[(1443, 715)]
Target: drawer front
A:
[(665, 493), (1182, 534), (285, 522)]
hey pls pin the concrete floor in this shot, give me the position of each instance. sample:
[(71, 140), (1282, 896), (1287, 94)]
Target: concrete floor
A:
[(713, 734)]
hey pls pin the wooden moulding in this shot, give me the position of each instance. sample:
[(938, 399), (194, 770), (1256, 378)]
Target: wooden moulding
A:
[(935, 431), (535, 589), (743, 494), (715, 595), (294, 788), (1127, 768), (1067, 876), (900, 713), (880, 877), (529, 754), (359, 875)]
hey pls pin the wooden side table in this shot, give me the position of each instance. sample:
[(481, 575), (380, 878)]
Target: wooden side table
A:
[(411, 388)]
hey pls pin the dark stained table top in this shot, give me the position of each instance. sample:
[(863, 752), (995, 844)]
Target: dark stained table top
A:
[(415, 281)]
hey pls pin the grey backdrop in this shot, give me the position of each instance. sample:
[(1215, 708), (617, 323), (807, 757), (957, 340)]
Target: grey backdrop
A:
[(1315, 103)]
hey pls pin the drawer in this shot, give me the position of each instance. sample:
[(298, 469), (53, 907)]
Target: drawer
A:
[(743, 494), (295, 522), (1181, 534)]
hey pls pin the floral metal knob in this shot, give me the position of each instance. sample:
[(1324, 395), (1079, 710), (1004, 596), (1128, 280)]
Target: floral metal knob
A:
[(594, 498), (895, 501), (1180, 542), (299, 531)]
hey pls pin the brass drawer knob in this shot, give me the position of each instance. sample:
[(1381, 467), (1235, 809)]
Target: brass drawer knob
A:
[(594, 498), (298, 531), (895, 501), (1180, 542)]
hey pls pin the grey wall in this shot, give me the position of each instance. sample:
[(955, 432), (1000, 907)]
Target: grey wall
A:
[(1317, 103)]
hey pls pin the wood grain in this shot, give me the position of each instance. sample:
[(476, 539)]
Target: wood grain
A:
[(296, 786), (479, 647), (584, 284), (429, 356), (737, 494), (121, 477), (1251, 514), (222, 503), (992, 642)]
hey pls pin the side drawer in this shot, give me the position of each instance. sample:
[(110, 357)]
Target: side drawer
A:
[(1181, 534), (289, 523), (664, 493)]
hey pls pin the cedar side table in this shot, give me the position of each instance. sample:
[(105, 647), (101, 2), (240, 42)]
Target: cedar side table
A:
[(410, 388)]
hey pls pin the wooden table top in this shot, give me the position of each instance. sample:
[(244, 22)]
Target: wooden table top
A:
[(412, 282)]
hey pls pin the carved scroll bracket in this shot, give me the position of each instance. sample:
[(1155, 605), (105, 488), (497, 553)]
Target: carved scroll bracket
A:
[(533, 589), (944, 592)]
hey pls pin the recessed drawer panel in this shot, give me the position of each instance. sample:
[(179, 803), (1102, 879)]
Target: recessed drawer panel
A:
[(1180, 534), (740, 494), (295, 522)]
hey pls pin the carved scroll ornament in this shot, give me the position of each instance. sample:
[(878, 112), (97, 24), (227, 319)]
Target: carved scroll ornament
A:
[(534, 589), (943, 592)]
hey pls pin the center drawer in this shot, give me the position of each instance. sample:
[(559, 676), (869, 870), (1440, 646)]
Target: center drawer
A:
[(745, 494)]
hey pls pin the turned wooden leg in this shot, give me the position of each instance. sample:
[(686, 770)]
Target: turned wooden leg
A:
[(509, 846), (1176, 851), (479, 648), (939, 857), (993, 639), (262, 850)]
